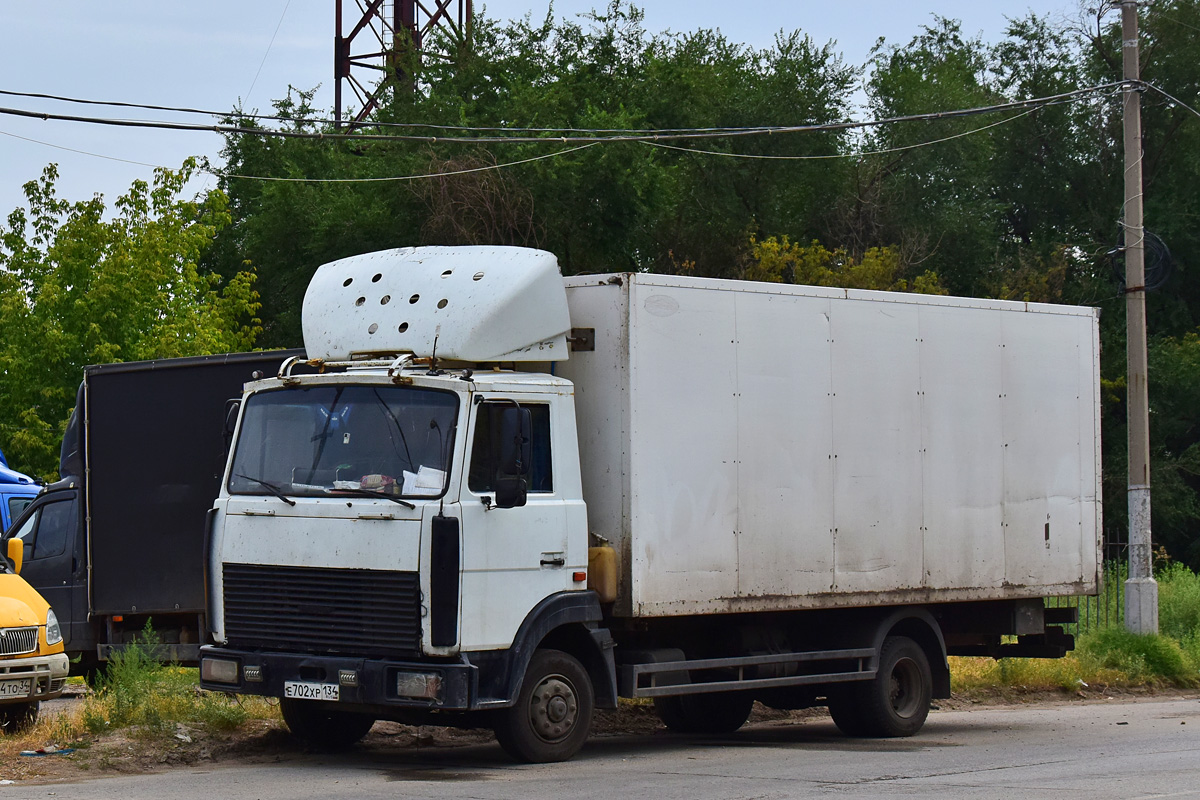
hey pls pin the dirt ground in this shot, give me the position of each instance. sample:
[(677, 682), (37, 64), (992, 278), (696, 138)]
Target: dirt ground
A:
[(260, 741)]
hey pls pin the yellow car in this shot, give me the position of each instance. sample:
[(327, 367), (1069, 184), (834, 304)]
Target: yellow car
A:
[(33, 666)]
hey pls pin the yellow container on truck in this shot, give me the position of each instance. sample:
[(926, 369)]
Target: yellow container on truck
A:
[(33, 666)]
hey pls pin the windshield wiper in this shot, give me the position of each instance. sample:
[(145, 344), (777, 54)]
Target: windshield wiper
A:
[(270, 487), (373, 493)]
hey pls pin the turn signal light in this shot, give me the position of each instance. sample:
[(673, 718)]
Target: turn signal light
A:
[(579, 577)]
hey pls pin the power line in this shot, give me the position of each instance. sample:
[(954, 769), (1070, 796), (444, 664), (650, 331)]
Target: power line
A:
[(81, 152), (487, 168), (650, 144), (590, 137), (848, 155), (1172, 98), (1043, 103), (269, 46)]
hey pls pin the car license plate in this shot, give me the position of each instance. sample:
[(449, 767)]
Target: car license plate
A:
[(9, 689), (301, 690)]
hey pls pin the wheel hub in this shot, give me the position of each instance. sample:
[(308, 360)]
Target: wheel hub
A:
[(903, 692), (553, 708)]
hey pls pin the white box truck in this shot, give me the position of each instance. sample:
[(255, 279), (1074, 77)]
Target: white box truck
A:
[(728, 492)]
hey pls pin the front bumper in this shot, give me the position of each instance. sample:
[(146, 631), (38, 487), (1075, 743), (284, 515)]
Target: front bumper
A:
[(374, 683), (46, 674)]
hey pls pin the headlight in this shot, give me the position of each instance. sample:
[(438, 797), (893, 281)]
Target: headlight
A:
[(53, 632), (219, 670)]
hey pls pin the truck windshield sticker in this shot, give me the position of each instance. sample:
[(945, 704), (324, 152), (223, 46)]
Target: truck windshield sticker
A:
[(322, 441)]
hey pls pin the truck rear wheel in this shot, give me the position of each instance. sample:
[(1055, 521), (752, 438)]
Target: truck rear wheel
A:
[(894, 703), (17, 717), (320, 725), (553, 714), (718, 712)]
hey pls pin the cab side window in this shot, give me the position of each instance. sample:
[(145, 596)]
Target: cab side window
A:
[(485, 449), (27, 532), (54, 529), (16, 505), (46, 531)]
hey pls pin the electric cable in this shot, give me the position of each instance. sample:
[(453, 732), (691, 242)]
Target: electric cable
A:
[(648, 135), (487, 168), (270, 44), (859, 154), (80, 152)]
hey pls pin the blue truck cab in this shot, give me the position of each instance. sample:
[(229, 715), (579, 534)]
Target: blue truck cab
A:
[(16, 492)]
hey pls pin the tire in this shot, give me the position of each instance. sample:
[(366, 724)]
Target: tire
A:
[(552, 716), (18, 717), (846, 712), (720, 712), (896, 702), (322, 726)]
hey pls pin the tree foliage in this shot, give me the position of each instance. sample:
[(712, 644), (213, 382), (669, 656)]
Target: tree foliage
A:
[(779, 260), (78, 288)]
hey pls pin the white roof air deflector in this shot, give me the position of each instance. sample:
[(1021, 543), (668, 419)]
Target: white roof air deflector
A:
[(479, 303)]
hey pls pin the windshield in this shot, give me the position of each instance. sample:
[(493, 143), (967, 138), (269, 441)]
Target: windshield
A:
[(330, 440)]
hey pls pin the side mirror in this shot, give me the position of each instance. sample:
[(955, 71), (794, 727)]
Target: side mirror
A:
[(16, 553), (513, 457)]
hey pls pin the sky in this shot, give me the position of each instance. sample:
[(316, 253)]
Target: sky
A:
[(215, 54)]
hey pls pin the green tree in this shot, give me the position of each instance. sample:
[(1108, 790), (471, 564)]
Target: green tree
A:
[(77, 288), (613, 206), (779, 260)]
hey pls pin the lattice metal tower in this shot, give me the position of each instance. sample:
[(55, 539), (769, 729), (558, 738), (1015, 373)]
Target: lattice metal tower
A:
[(380, 33)]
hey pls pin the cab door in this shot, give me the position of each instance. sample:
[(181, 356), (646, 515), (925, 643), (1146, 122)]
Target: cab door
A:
[(54, 559), (512, 558)]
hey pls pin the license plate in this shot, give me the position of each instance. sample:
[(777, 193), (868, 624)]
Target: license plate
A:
[(20, 688), (299, 690)]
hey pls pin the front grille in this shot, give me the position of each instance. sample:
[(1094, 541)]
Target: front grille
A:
[(311, 609), (17, 641)]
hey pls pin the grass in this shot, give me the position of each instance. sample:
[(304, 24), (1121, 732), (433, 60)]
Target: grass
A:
[(145, 698), (1106, 654)]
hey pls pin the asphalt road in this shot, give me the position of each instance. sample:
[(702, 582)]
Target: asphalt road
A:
[(1146, 749)]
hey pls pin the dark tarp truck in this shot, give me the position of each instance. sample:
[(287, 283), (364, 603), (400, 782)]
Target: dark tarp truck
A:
[(119, 539)]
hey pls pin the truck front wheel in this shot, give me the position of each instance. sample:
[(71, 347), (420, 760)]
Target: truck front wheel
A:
[(319, 725), (17, 717), (896, 702), (717, 712), (553, 714)]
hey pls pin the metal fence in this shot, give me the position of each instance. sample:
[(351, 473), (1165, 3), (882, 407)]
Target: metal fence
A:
[(1106, 609)]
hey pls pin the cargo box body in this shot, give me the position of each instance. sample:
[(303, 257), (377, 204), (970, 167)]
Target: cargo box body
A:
[(755, 447)]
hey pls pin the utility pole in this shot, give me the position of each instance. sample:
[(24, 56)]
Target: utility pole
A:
[(1141, 591)]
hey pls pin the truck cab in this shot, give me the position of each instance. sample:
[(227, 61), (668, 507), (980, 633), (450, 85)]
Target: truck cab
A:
[(367, 505)]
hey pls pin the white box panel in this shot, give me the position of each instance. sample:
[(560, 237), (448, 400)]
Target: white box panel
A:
[(753, 447), (963, 444), (785, 446), (878, 522)]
